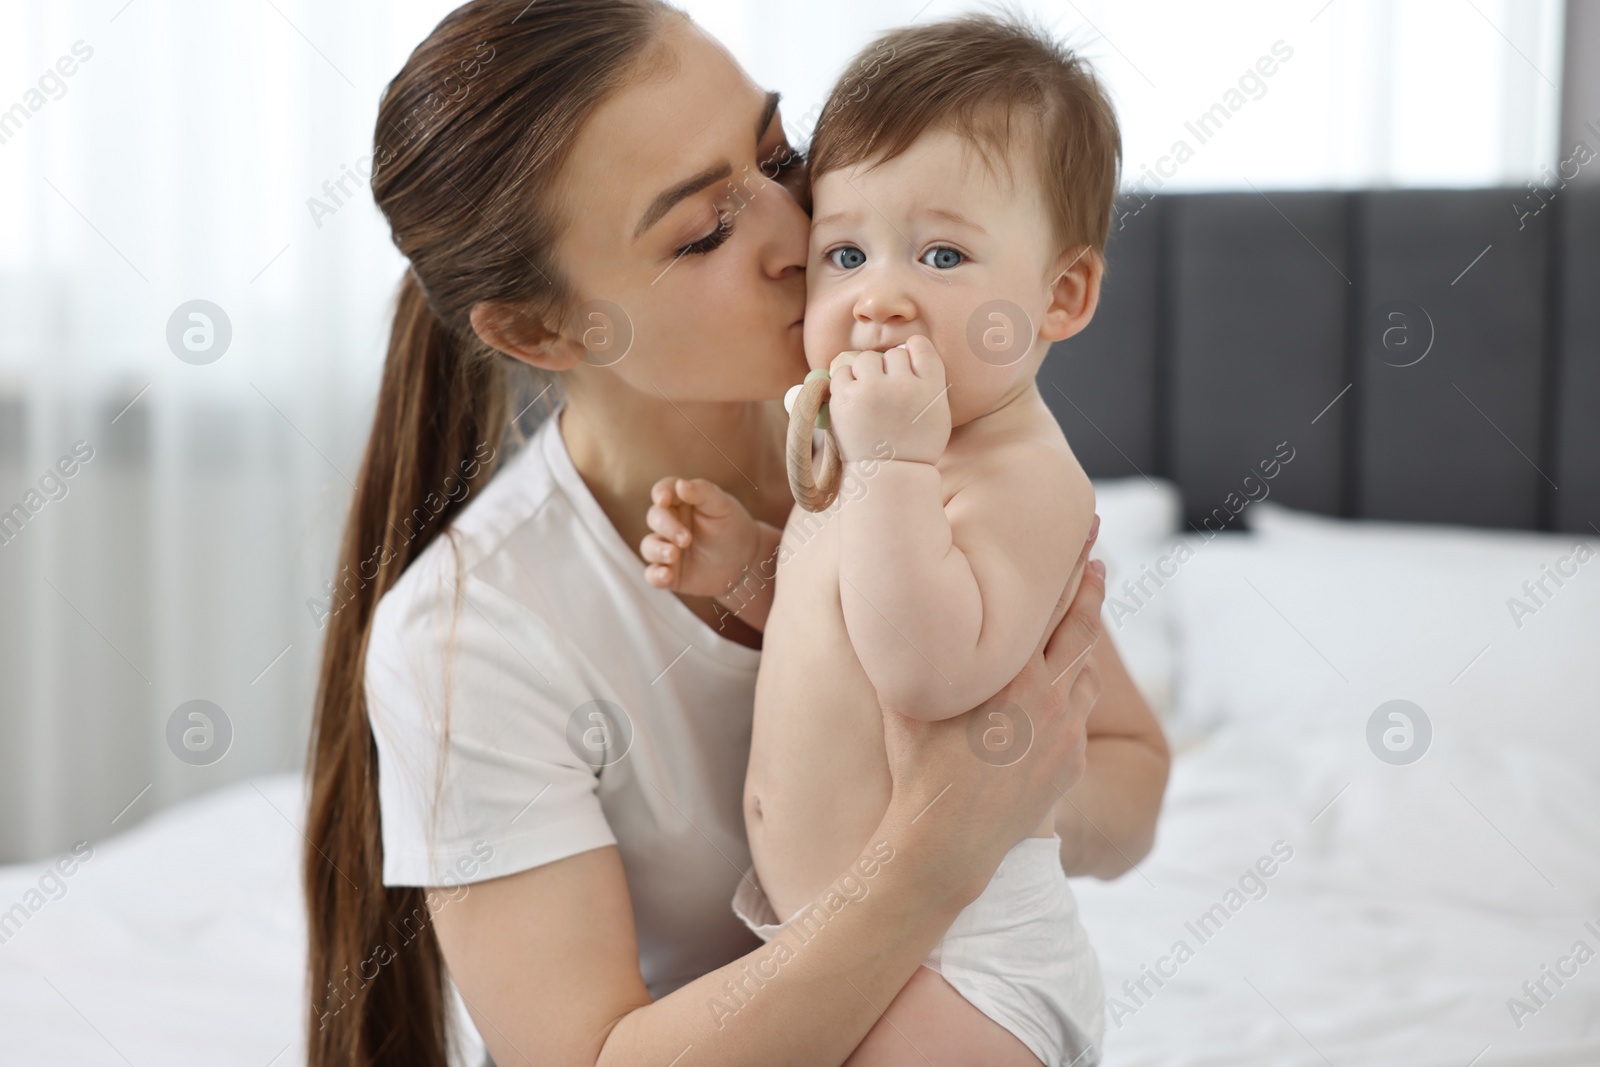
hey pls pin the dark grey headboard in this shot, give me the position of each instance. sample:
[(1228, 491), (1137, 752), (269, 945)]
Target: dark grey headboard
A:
[(1231, 322)]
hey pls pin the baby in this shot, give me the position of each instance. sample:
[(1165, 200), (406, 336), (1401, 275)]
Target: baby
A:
[(962, 180)]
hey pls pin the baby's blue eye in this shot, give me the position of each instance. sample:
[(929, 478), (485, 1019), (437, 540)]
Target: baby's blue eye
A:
[(847, 258), (942, 258)]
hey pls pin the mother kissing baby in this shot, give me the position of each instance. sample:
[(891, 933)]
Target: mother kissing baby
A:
[(529, 758)]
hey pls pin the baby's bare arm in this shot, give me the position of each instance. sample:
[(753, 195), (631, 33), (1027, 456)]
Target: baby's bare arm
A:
[(704, 543), (943, 601)]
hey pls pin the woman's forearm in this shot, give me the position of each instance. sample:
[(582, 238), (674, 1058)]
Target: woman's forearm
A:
[(810, 995), (1107, 822)]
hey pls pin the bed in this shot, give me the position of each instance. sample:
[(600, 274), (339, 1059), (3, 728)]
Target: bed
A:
[(179, 943), (1375, 418), (1323, 892)]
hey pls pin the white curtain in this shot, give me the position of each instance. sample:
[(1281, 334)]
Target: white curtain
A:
[(175, 163), (1374, 92), (154, 153)]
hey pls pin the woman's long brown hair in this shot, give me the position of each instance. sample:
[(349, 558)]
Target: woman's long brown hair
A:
[(470, 139)]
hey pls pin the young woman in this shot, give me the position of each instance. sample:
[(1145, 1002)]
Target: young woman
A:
[(591, 193)]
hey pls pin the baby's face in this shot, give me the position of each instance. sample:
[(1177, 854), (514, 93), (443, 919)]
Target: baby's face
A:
[(931, 243)]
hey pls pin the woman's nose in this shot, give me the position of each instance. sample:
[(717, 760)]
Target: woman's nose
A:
[(783, 225)]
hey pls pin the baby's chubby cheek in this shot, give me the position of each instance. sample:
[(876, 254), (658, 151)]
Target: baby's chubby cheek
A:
[(825, 335)]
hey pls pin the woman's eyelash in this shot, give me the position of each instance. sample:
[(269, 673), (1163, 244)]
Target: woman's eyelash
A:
[(785, 159), (711, 241)]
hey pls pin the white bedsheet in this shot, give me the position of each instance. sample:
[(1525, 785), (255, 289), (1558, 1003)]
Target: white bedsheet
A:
[(178, 943), (1419, 898), (1396, 933)]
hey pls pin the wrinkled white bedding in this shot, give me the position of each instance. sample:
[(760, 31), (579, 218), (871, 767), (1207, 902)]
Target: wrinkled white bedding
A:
[(1419, 898), (1394, 935), (178, 943)]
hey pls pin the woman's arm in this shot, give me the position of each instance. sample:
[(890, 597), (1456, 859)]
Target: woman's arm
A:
[(1107, 822), (547, 959), (548, 963)]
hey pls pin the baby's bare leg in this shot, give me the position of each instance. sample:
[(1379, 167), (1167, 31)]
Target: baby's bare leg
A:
[(930, 1023)]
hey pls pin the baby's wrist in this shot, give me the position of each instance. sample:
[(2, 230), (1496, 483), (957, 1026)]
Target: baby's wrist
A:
[(740, 584), (870, 466)]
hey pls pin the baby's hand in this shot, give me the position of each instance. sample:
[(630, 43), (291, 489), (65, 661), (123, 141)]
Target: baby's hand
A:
[(703, 540), (898, 397)]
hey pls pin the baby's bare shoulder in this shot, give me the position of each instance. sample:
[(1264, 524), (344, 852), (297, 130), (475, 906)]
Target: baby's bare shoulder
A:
[(1023, 464), (1024, 480)]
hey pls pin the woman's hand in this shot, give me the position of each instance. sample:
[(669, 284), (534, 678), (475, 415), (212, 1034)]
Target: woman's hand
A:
[(966, 789)]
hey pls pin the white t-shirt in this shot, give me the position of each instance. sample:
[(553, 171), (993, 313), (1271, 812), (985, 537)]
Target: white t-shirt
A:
[(586, 708)]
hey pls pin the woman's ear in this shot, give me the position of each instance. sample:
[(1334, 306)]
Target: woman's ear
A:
[(520, 332), (1074, 294)]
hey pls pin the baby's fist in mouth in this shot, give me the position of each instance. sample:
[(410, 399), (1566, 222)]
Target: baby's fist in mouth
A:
[(899, 397)]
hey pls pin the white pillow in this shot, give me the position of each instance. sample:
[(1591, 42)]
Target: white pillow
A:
[(1136, 511), (1309, 630), (1282, 524), (1137, 516)]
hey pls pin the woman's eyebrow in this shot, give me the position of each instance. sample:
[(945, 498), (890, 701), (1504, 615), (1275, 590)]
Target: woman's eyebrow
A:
[(668, 200), (717, 172), (768, 109)]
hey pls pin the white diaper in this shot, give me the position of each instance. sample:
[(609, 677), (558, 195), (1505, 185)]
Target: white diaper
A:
[(1018, 954)]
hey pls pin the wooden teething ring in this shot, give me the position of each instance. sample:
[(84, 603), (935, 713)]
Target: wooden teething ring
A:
[(814, 493)]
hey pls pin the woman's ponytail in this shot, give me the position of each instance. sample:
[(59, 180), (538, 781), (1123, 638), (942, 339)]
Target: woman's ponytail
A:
[(377, 975)]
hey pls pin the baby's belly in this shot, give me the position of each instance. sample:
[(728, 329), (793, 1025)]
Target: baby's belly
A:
[(818, 780)]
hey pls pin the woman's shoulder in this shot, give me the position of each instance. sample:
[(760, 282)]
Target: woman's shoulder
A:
[(482, 530)]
